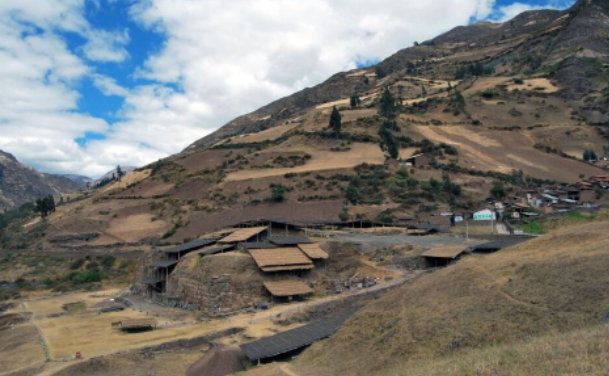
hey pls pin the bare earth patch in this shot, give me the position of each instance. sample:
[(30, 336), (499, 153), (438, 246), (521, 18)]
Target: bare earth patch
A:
[(320, 160)]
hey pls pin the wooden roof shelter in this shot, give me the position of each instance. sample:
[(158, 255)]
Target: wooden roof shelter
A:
[(132, 324), (445, 251), (281, 259), (243, 235), (282, 289), (314, 251)]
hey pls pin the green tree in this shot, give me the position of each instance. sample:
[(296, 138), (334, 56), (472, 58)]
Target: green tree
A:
[(355, 101), (380, 73), (335, 121), (45, 205), (388, 107), (590, 155), (387, 142), (277, 192), (498, 191), (352, 194)]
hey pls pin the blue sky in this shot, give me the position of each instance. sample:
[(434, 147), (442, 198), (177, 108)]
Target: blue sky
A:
[(90, 84)]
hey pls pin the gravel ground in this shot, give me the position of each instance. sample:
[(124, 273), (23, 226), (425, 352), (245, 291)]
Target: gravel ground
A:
[(370, 243)]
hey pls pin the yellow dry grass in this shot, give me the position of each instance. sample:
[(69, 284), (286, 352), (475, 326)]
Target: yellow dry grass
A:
[(267, 134), (582, 352), (533, 83), (131, 178), (135, 227), (484, 83), (552, 284), (320, 160), (20, 349)]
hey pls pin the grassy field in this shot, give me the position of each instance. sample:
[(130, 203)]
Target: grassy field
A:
[(20, 348), (552, 284), (582, 352)]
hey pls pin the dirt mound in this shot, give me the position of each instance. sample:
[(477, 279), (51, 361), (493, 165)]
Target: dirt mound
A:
[(220, 360)]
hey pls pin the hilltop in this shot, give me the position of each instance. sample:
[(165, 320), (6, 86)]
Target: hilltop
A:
[(516, 105)]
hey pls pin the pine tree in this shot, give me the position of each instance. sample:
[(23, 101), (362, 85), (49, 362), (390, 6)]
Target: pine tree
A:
[(388, 107), (335, 121), (119, 173), (354, 101)]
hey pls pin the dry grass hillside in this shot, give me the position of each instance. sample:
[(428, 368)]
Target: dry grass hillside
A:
[(519, 102), (582, 352), (554, 284)]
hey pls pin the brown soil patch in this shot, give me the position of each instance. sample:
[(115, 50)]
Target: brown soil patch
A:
[(506, 151), (218, 361), (267, 134), (135, 227), (320, 160)]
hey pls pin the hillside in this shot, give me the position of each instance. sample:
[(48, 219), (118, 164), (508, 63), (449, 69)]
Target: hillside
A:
[(20, 184), (552, 285), (516, 104)]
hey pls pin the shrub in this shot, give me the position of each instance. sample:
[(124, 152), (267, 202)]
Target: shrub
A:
[(77, 264), (89, 276)]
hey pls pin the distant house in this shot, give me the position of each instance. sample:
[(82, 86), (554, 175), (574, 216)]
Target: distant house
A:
[(416, 160)]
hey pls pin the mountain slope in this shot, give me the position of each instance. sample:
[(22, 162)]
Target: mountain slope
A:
[(514, 103), (553, 284), (20, 184), (532, 40)]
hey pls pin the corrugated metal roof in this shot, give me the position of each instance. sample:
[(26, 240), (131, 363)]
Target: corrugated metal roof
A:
[(293, 339), (137, 323), (190, 246), (498, 244), (258, 245), (214, 250), (164, 263), (289, 240), (287, 288)]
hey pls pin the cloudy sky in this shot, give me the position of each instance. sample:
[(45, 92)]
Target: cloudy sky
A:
[(89, 84)]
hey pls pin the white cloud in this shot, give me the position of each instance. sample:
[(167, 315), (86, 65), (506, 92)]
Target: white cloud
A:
[(105, 46), (229, 58), (506, 13), (219, 60), (108, 86)]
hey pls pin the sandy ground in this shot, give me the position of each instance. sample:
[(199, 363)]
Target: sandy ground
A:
[(267, 134), (534, 83), (320, 160), (131, 178), (135, 227)]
